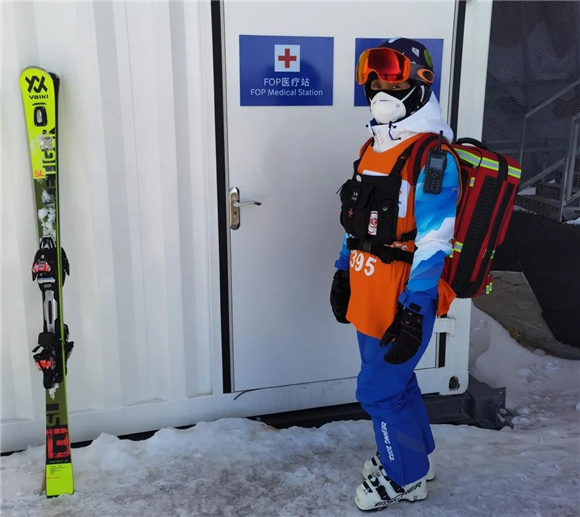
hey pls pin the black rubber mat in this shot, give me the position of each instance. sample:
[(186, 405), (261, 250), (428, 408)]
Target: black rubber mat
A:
[(548, 253)]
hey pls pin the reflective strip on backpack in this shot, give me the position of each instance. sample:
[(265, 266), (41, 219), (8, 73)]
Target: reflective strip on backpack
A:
[(472, 182), (475, 160), (469, 157), (492, 255), (458, 246), (490, 164), (487, 162)]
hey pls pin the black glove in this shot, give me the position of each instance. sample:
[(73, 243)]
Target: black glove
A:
[(340, 295), (406, 332)]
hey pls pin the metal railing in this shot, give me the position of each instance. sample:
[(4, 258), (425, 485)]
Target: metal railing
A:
[(541, 106), (573, 150), (541, 175), (567, 163)]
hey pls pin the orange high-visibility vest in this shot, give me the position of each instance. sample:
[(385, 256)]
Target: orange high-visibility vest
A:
[(375, 285)]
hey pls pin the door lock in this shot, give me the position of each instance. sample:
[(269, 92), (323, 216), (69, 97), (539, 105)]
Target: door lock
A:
[(236, 205)]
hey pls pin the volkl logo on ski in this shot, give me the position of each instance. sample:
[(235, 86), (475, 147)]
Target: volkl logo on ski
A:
[(35, 79), (37, 89)]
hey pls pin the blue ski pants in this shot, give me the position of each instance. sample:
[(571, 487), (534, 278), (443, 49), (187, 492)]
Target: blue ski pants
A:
[(389, 393)]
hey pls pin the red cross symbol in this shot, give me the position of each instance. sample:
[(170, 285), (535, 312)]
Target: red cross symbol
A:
[(287, 58)]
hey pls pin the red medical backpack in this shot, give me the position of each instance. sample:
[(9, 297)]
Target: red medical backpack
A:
[(489, 183)]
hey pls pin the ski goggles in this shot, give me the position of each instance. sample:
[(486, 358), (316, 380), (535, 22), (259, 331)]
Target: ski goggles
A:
[(391, 66)]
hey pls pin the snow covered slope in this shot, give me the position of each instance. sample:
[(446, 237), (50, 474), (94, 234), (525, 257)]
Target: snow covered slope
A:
[(238, 467)]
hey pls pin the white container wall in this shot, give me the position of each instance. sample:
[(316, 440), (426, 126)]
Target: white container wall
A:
[(137, 167), (139, 209)]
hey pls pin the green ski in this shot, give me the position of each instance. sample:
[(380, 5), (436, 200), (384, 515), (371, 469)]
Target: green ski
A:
[(39, 93)]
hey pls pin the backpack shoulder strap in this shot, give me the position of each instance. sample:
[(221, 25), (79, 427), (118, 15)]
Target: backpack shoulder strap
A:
[(424, 144), (401, 160), (365, 146), (463, 176)]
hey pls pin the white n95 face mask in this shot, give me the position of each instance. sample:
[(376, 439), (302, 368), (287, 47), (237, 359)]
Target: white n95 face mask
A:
[(386, 108)]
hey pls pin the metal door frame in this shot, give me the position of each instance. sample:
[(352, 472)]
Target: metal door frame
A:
[(220, 105)]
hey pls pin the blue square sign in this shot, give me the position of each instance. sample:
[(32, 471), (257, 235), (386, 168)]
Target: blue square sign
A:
[(434, 46), (286, 71)]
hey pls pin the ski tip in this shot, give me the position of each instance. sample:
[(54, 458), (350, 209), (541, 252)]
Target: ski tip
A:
[(38, 70), (29, 69)]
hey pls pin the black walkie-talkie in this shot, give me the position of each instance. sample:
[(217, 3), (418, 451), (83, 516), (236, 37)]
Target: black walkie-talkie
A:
[(435, 168)]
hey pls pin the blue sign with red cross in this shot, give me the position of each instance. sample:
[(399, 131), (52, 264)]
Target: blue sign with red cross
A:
[(434, 46), (286, 71)]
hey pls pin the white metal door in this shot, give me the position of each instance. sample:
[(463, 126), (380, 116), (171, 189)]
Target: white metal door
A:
[(293, 160)]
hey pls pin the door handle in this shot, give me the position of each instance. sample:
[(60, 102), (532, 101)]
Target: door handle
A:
[(235, 205)]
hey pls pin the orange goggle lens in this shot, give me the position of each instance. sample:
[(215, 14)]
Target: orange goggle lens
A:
[(389, 65)]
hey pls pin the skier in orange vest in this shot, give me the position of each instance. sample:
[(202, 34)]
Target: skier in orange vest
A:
[(387, 284)]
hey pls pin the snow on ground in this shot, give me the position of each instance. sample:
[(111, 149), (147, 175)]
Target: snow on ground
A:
[(542, 390), (574, 221), (238, 467), (520, 209)]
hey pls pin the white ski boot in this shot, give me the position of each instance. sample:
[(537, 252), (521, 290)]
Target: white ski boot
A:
[(378, 491), (374, 463)]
